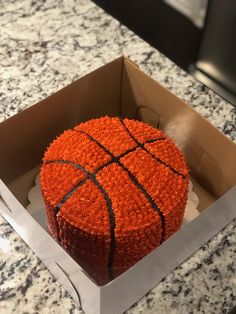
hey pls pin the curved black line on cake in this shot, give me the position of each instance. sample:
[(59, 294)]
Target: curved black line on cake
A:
[(144, 148), (91, 176)]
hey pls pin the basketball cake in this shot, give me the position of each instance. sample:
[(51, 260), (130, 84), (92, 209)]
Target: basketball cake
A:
[(114, 190)]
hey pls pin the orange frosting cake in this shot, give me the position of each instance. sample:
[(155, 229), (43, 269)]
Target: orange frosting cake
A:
[(114, 190)]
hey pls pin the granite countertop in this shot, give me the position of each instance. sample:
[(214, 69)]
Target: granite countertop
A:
[(44, 46)]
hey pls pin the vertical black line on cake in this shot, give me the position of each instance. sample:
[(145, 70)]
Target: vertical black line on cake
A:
[(91, 176), (148, 197)]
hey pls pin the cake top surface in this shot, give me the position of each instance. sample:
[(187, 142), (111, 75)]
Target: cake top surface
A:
[(109, 168)]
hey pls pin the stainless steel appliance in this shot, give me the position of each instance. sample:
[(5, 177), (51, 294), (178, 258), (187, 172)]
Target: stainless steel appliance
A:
[(216, 61)]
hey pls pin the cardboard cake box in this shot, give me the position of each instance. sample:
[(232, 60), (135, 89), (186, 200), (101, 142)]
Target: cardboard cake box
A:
[(118, 88)]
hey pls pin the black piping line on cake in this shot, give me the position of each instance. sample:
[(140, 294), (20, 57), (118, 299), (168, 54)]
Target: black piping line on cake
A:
[(134, 180), (116, 159), (146, 150), (91, 176), (148, 197), (127, 151), (69, 194)]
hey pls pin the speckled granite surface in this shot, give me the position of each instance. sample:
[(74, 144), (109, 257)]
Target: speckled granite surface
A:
[(44, 46)]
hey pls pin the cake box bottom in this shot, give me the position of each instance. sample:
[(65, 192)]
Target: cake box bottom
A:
[(117, 89)]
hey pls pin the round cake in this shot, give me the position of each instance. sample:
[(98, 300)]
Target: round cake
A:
[(114, 190)]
